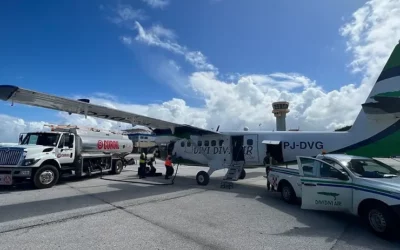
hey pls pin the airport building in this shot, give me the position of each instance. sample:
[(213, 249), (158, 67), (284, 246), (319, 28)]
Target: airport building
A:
[(141, 138)]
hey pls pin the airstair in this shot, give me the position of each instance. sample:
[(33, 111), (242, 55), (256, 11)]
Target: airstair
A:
[(233, 174)]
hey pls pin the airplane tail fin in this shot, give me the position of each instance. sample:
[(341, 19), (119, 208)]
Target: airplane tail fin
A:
[(377, 127)]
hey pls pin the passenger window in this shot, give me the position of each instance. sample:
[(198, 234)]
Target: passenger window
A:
[(33, 139), (307, 165), (66, 140), (221, 142), (213, 143), (182, 144), (188, 144), (327, 171), (62, 142), (249, 142), (199, 143), (206, 143)]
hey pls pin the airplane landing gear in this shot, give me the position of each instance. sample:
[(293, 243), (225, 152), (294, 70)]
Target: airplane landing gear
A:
[(202, 178), (242, 174)]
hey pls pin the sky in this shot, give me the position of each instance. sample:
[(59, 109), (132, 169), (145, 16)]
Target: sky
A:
[(200, 62)]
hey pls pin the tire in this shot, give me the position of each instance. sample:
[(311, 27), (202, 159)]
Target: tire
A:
[(380, 220), (46, 177), (202, 178), (287, 193), (117, 167), (242, 174)]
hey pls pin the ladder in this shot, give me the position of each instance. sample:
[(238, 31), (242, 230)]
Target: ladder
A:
[(233, 174), (54, 127)]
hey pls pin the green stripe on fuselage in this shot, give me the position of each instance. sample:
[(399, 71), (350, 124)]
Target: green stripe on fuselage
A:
[(385, 147), (388, 94)]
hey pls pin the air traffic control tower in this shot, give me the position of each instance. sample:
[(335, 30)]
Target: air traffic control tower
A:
[(280, 109)]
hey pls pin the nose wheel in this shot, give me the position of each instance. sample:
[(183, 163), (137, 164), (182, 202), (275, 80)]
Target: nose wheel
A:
[(202, 178)]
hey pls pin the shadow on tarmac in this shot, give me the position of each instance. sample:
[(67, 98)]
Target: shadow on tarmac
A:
[(122, 191)]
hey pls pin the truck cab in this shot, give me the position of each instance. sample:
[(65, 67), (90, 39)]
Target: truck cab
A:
[(36, 149), (344, 183), (40, 146)]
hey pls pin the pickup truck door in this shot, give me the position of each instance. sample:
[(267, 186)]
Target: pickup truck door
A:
[(324, 186)]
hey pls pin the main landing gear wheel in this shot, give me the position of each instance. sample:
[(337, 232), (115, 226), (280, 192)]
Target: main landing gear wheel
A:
[(242, 174), (202, 178)]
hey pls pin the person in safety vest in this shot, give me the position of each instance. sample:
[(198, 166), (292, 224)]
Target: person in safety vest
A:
[(142, 165), (169, 169)]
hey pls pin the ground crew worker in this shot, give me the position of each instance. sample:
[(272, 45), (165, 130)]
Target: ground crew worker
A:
[(152, 170), (142, 166), (169, 169), (268, 163)]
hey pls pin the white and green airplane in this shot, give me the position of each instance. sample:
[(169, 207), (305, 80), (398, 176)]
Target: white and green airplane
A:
[(375, 132)]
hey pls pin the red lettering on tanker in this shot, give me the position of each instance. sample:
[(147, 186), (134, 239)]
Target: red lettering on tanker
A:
[(107, 144)]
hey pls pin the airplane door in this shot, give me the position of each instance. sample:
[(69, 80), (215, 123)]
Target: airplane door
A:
[(237, 148), (250, 147), (189, 147)]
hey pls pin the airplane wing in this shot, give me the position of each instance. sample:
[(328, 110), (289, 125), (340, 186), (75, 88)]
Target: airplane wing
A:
[(84, 107)]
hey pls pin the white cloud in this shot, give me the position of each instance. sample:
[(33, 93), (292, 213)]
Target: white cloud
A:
[(160, 31), (159, 36), (236, 100), (372, 33), (126, 14), (157, 3), (11, 127)]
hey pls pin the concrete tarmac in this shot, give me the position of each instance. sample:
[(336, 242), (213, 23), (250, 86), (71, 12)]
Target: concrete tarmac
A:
[(95, 213)]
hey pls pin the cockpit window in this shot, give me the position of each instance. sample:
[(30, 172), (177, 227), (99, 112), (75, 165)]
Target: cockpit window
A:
[(44, 139)]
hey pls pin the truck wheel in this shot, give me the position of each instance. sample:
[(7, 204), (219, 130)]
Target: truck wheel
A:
[(380, 220), (202, 178), (288, 193), (46, 176), (117, 168), (242, 174)]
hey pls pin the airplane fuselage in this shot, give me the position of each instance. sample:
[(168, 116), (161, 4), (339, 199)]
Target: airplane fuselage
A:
[(284, 146)]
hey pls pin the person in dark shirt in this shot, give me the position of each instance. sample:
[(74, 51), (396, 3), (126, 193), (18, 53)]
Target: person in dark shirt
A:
[(267, 163)]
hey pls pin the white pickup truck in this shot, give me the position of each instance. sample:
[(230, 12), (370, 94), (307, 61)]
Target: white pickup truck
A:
[(345, 183)]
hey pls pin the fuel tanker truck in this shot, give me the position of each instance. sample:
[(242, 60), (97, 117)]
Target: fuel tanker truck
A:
[(42, 157)]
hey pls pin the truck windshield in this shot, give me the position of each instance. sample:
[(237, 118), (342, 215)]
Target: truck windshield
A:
[(44, 139), (371, 168)]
